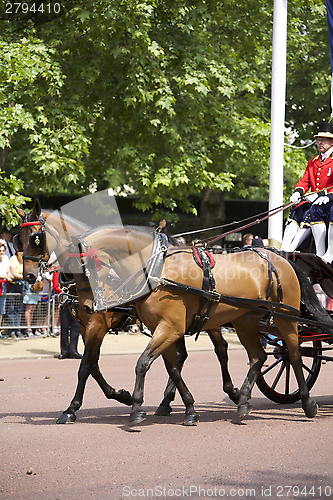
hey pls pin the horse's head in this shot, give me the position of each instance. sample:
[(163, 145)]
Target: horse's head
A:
[(32, 242)]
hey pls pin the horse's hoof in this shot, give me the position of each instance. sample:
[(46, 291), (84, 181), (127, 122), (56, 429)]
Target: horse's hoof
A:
[(232, 392), (163, 411), (234, 396), (191, 419), (310, 409), (136, 418), (66, 418), (125, 397), (244, 410)]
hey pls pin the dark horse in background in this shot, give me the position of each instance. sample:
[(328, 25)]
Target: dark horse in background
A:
[(93, 328), (94, 324)]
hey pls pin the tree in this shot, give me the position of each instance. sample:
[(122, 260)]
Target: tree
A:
[(172, 98)]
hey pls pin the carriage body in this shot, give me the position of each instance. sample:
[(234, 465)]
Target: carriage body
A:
[(276, 380)]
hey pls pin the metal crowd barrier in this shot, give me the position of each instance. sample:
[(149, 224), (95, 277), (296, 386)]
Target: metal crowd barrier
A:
[(45, 314)]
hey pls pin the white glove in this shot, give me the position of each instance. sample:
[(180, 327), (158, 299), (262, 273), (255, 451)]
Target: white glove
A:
[(322, 200), (311, 197), (295, 197)]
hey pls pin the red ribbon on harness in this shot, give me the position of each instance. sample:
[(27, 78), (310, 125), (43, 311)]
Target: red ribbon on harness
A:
[(34, 223), (91, 254)]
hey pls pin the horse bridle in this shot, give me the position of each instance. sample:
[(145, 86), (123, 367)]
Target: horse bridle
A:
[(37, 239)]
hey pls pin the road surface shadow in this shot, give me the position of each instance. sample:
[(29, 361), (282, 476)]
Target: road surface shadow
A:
[(262, 409)]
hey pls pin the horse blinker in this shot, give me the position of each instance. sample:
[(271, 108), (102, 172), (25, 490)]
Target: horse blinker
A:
[(36, 240)]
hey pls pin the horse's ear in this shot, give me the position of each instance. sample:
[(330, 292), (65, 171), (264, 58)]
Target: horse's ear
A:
[(37, 208), (17, 243), (20, 212)]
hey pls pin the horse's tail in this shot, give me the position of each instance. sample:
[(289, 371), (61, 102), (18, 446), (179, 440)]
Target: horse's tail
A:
[(310, 300)]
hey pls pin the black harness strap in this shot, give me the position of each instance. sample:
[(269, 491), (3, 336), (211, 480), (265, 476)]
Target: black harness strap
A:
[(205, 261), (208, 282), (261, 306), (271, 270)]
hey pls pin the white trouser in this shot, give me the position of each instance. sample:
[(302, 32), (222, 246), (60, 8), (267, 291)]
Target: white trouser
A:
[(319, 234), (293, 237), (328, 255)]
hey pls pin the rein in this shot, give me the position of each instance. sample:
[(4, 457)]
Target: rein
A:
[(257, 221)]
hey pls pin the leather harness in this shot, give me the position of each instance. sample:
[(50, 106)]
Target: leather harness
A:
[(151, 279)]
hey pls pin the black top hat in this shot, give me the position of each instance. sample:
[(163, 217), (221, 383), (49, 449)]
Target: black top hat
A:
[(257, 242), (325, 130)]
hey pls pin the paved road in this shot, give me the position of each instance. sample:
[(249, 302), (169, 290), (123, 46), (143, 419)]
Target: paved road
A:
[(40, 347), (100, 457)]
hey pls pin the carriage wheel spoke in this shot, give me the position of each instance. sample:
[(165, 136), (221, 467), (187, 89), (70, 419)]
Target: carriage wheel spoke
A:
[(273, 365), (278, 376), (309, 370), (287, 384)]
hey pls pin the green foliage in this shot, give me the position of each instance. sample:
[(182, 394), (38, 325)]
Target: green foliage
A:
[(10, 188), (169, 97)]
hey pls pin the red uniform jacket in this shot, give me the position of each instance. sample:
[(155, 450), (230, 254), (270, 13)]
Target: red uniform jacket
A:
[(317, 175)]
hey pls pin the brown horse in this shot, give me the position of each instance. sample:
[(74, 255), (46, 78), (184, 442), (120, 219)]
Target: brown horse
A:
[(94, 324), (93, 328), (168, 309)]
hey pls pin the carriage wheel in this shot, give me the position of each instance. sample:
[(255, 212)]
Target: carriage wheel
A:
[(277, 381)]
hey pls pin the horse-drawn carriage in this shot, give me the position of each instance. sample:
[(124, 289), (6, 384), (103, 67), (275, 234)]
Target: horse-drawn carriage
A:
[(276, 379), (265, 295)]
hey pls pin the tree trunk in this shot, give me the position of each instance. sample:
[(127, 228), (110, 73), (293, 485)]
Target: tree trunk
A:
[(212, 211), (3, 158)]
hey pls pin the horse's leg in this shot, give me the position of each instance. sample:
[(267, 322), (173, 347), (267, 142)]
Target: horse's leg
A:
[(247, 331), (170, 361), (121, 395), (288, 331), (165, 335), (164, 408), (94, 336), (94, 347), (221, 351)]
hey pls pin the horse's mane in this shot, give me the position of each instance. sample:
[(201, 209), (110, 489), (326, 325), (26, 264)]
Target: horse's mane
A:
[(67, 218), (142, 229)]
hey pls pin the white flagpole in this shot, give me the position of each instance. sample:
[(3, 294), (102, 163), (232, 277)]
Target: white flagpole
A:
[(278, 98)]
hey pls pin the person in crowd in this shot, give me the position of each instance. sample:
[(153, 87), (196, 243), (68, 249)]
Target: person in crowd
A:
[(5, 234), (309, 214), (44, 298), (69, 327), (247, 240), (4, 269), (14, 302), (181, 240), (69, 334), (30, 301), (216, 249)]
